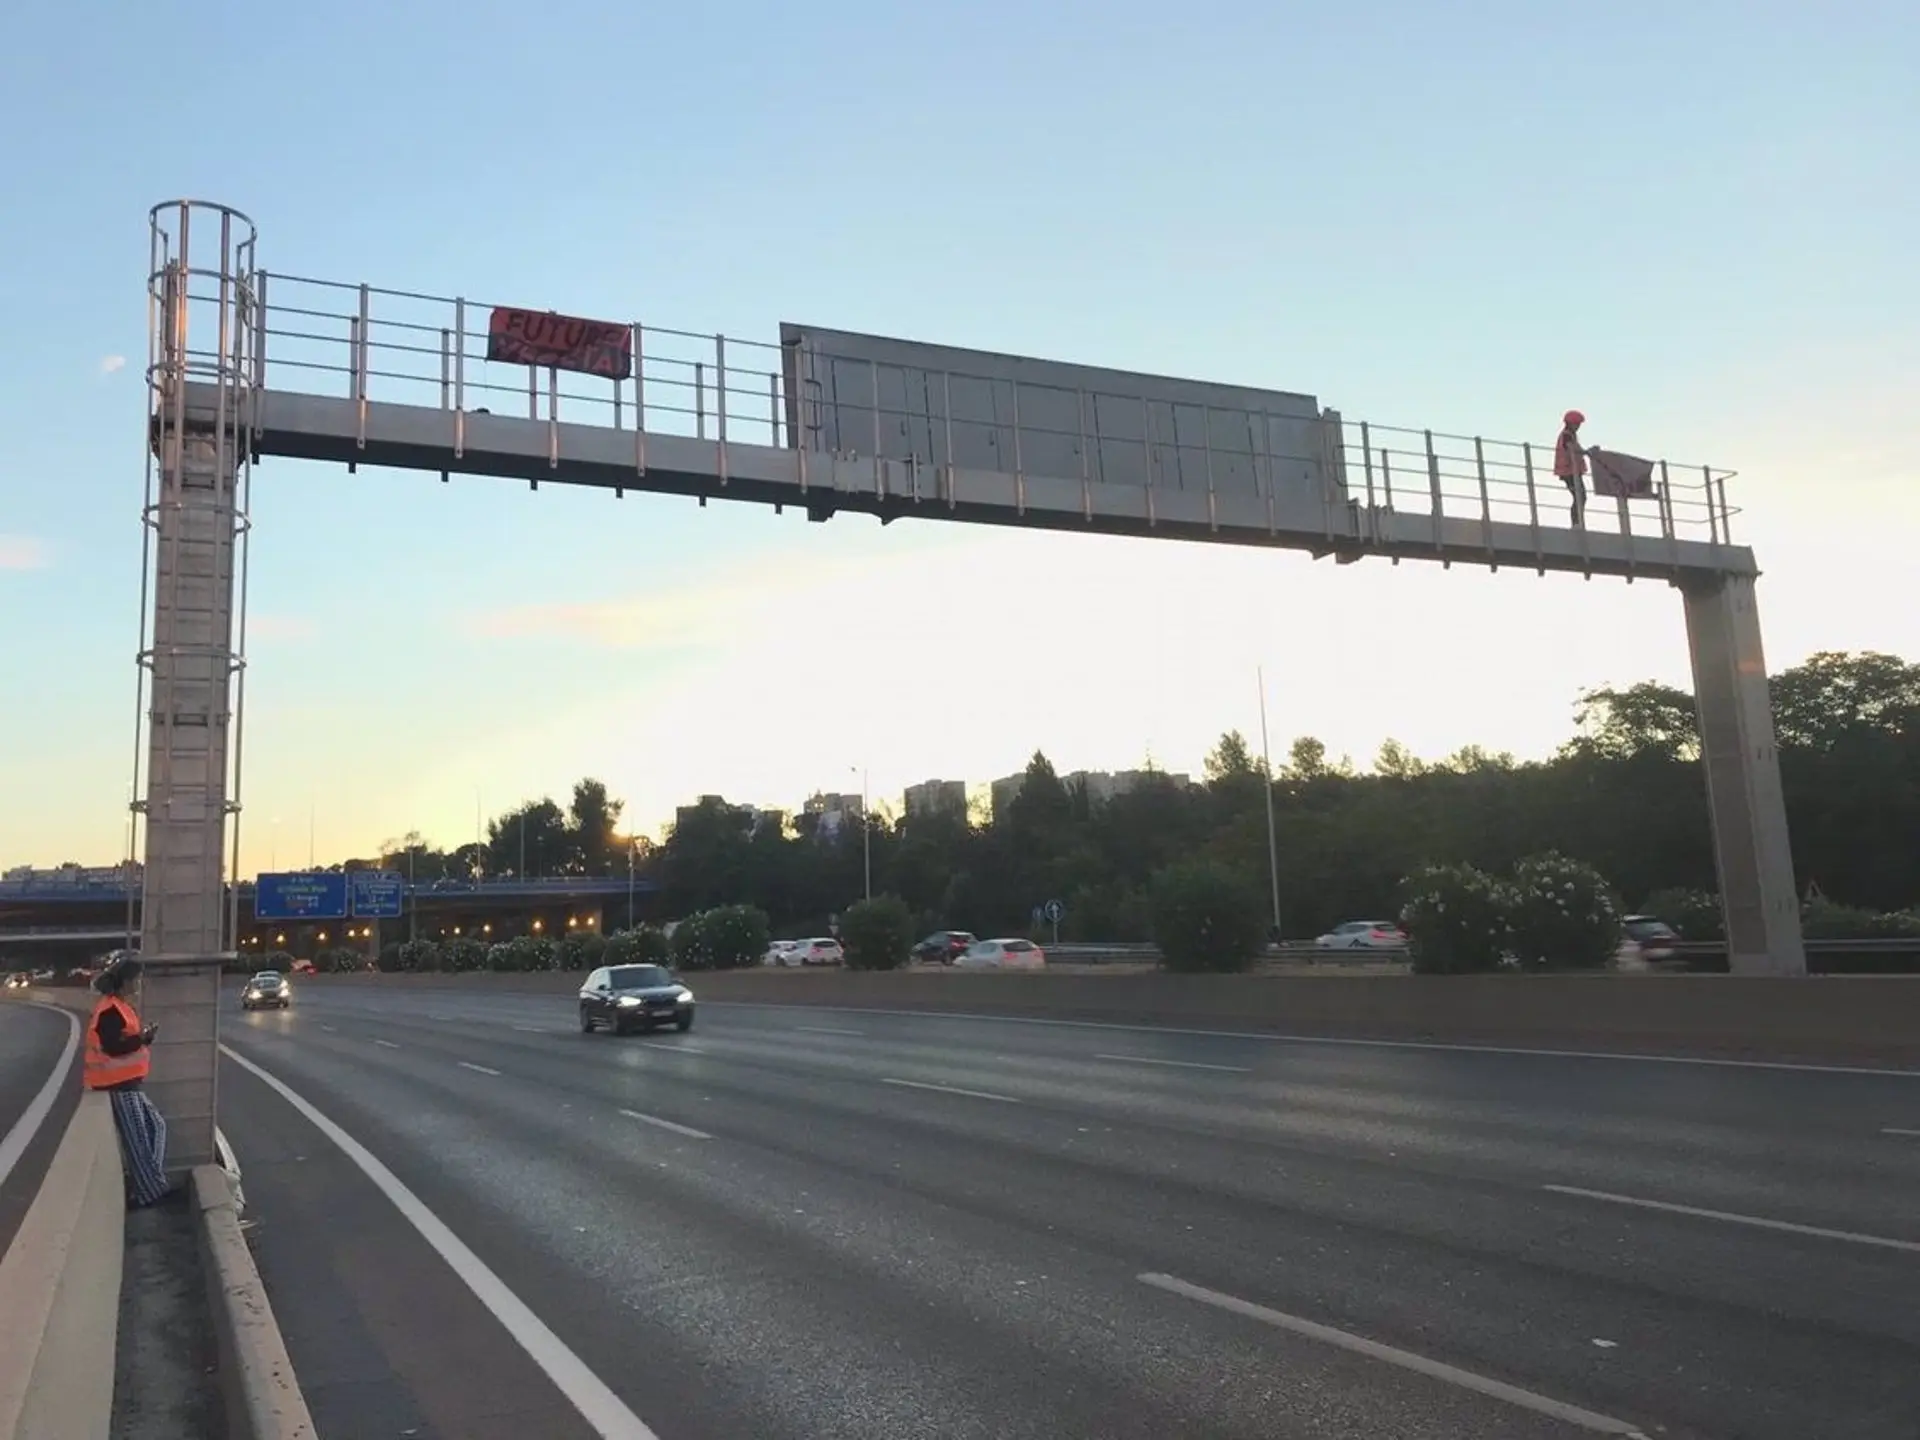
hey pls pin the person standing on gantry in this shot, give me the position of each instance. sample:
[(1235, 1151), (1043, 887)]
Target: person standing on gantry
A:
[(1570, 462), (116, 1061)]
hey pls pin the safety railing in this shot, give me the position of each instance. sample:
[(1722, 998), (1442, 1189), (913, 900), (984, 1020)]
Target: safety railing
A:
[(368, 343)]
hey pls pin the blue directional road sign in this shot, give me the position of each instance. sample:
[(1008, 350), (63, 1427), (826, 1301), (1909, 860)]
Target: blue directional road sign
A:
[(376, 894), (319, 895), (1053, 910)]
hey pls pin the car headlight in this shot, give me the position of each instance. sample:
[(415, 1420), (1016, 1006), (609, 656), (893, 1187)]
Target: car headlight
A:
[(685, 996), (629, 1000)]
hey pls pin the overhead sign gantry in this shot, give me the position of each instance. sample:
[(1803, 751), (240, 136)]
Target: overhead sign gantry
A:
[(244, 365)]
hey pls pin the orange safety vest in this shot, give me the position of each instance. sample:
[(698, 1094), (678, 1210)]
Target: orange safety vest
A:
[(98, 1069)]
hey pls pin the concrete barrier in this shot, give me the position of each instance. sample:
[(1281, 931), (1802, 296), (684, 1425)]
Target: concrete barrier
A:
[(60, 1289), (1854, 1019), (258, 1388)]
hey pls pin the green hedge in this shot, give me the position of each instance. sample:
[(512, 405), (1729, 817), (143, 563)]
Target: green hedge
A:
[(1205, 917), (877, 934)]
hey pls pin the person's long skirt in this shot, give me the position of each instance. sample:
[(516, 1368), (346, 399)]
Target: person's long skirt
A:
[(143, 1145)]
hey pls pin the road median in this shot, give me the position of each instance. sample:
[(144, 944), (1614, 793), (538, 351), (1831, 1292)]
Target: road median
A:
[(1844, 1020)]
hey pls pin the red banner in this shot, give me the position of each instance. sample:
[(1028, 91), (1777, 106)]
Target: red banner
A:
[(564, 342)]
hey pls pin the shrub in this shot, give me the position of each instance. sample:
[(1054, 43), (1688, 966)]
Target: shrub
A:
[(1562, 914), (339, 960), (389, 961), (878, 933), (1824, 920), (280, 960), (523, 954), (1205, 918), (1456, 918), (463, 954), (579, 951), (1693, 914), (417, 956), (645, 946), (687, 945), (721, 939)]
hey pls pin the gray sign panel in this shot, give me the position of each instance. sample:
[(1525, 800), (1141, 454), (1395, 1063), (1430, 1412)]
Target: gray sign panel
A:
[(852, 394)]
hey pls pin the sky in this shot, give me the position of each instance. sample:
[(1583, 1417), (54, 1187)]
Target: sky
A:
[(1694, 220)]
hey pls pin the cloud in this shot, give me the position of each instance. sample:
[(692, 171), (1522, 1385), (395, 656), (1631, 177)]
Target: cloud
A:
[(280, 628), (112, 364), (22, 552)]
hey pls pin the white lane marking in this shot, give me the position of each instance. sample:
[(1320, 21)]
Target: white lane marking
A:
[(604, 1411), (686, 1130), (442, 1019), (1343, 1040), (952, 1090), (1182, 1064), (388, 1043), (532, 1030), (329, 1029), (1896, 1130), (14, 1145), (469, 1065), (1821, 1232), (680, 1048), (823, 1030), (1405, 1359)]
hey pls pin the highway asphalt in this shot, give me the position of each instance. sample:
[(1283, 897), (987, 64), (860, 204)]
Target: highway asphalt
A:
[(32, 1042), (800, 1222)]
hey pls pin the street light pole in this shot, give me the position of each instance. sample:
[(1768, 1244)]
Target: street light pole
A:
[(630, 857), (1266, 786), (866, 834)]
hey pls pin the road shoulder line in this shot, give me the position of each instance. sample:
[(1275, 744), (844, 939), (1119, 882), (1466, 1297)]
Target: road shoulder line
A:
[(603, 1410)]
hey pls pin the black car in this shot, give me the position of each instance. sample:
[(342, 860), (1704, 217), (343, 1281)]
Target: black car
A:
[(944, 946), (267, 990), (634, 997)]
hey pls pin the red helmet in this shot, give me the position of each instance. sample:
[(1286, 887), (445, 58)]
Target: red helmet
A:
[(1574, 417)]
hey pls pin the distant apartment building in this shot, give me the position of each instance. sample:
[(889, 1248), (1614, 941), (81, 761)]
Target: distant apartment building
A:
[(751, 818), (830, 813), (935, 797)]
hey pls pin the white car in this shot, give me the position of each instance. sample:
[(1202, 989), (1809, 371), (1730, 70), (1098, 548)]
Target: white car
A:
[(1002, 955), (1364, 935), (824, 950), (780, 953)]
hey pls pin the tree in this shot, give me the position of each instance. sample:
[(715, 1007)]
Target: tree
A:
[(1307, 759), (1396, 762), (1648, 719), (1834, 698), (530, 840), (594, 821), (1230, 760)]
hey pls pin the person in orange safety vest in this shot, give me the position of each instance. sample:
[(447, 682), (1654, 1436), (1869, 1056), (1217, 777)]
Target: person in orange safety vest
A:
[(116, 1061), (1570, 461)]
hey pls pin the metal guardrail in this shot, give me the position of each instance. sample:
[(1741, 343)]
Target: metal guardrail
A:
[(1297, 951), (1834, 954)]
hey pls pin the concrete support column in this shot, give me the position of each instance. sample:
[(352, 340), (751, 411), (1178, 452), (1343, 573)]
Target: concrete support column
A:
[(202, 367), (182, 931), (1751, 849)]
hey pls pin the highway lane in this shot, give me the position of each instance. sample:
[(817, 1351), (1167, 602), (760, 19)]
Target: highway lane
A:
[(33, 1041), (803, 1222)]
